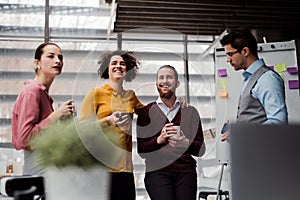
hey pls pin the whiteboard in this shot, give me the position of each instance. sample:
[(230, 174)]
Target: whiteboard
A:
[(274, 54)]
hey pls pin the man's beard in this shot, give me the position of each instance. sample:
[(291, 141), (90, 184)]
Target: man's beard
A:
[(167, 95)]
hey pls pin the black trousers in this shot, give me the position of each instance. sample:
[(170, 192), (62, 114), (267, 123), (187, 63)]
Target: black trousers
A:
[(162, 185), (122, 186)]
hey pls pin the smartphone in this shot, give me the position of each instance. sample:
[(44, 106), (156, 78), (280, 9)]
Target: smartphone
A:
[(225, 127), (120, 115)]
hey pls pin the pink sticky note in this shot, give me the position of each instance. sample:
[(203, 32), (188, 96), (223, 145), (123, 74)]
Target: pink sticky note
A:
[(293, 84), (292, 70), (222, 72)]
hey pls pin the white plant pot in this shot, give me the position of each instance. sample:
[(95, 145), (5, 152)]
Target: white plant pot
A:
[(73, 183)]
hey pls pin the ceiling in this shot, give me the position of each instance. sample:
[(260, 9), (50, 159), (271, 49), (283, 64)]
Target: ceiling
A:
[(208, 17)]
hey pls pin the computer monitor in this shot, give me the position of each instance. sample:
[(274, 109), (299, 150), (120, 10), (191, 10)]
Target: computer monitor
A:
[(265, 162)]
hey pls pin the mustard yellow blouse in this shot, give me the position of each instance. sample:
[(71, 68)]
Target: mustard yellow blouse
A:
[(102, 102)]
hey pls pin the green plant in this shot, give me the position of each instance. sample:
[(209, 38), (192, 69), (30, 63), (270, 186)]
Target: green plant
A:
[(69, 143)]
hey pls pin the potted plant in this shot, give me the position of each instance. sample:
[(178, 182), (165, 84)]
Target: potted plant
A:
[(75, 156)]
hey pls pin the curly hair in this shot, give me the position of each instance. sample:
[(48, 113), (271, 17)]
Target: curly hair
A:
[(132, 63)]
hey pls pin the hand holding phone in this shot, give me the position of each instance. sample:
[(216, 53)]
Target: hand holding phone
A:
[(225, 127)]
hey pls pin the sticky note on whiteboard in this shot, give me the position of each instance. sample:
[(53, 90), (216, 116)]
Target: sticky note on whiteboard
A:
[(223, 93), (292, 70), (222, 84), (280, 67), (222, 72), (293, 84)]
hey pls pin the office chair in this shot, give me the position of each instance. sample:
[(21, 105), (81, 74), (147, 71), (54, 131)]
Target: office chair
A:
[(23, 187), (29, 194)]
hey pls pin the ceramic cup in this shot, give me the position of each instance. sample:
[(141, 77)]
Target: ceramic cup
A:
[(178, 132)]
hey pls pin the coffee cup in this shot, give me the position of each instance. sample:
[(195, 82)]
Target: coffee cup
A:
[(177, 134)]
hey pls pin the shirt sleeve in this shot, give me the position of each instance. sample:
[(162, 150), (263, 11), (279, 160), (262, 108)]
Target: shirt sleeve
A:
[(270, 91), (26, 121), (137, 103), (88, 107), (147, 131), (196, 137)]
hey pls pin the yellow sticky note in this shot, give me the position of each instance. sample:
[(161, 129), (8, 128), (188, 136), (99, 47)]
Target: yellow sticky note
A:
[(222, 84), (223, 93), (280, 67)]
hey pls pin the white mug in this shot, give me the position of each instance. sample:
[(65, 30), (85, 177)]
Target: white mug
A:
[(178, 132)]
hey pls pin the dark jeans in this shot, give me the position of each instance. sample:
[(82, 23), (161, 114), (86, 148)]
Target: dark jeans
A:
[(171, 185), (122, 186)]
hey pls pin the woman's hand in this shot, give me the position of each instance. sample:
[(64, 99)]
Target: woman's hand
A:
[(64, 111), (183, 103), (119, 118)]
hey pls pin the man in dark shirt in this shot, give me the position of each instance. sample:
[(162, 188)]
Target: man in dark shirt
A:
[(170, 168)]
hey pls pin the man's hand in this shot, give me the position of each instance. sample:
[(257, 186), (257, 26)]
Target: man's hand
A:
[(180, 141), (225, 136), (164, 134)]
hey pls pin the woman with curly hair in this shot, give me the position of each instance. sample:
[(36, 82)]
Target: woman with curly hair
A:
[(114, 107)]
